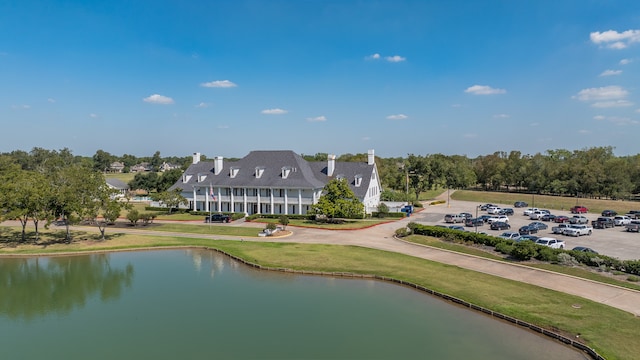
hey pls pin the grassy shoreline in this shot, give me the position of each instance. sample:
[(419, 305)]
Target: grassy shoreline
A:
[(614, 338)]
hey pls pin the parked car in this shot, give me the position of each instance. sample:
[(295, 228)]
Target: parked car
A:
[(559, 229), (561, 219), (520, 204), (548, 217), (579, 210), (453, 218), (578, 230), (457, 227), (484, 207), (474, 222), (634, 226), (609, 213), (584, 249), (485, 217), (500, 226), (217, 218), (621, 220), (578, 219), (529, 211), (528, 237), (602, 223), (510, 235), (494, 210), (550, 242), (506, 211), (527, 230), (539, 225), (466, 215), (498, 218), (537, 215), (634, 214)]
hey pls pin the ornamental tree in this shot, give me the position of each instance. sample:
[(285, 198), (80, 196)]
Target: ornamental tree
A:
[(338, 201)]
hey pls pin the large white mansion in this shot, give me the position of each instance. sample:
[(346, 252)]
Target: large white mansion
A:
[(273, 182)]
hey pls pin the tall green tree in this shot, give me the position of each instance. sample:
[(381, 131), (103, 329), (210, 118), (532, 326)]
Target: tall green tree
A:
[(172, 199), (338, 201)]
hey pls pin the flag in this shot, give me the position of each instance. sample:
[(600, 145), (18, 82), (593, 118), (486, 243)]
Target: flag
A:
[(213, 196)]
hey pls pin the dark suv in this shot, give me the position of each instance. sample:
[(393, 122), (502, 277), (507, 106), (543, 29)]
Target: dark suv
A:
[(520, 204), (217, 218)]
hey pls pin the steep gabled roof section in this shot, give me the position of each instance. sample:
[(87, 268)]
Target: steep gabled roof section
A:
[(348, 170)]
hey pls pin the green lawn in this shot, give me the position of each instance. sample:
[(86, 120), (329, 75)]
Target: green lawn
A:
[(546, 201), (613, 333), (126, 177), (347, 225)]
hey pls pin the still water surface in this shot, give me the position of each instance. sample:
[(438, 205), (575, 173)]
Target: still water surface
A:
[(189, 304)]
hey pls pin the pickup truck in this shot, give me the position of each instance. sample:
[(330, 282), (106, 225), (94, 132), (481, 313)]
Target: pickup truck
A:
[(602, 223), (634, 226), (578, 230), (578, 219), (634, 214), (550, 242), (217, 218), (560, 228)]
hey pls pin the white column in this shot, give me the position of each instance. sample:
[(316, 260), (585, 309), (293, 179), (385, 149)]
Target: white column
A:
[(259, 205), (195, 203), (244, 200), (286, 201), (219, 200), (231, 206), (299, 201), (271, 194), (207, 198)]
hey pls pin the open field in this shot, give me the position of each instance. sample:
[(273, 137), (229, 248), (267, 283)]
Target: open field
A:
[(546, 201), (126, 177), (613, 333)]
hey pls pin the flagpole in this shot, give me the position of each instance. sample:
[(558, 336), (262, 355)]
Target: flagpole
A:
[(210, 192)]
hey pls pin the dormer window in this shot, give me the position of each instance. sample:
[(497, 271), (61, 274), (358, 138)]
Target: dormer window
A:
[(340, 177), (259, 171), (233, 171), (358, 181), (286, 170), (202, 177), (186, 178)]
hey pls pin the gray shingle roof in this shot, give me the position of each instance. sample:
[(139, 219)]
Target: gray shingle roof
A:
[(303, 174)]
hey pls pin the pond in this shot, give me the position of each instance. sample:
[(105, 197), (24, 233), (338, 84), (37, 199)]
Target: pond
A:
[(185, 304)]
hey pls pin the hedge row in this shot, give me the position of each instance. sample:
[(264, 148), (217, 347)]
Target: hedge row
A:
[(525, 250), (234, 215), (166, 209)]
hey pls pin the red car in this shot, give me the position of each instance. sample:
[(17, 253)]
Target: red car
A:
[(579, 210), (561, 219)]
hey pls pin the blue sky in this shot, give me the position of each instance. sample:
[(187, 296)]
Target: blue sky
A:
[(227, 77)]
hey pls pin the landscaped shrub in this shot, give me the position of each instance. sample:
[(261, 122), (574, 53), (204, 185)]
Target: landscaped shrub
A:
[(417, 204), (524, 250), (505, 247), (547, 254), (633, 278), (437, 202), (383, 210), (402, 232)]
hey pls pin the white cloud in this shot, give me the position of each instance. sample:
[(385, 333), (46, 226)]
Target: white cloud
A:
[(158, 99), (366, 138), (219, 84), (51, 100), (92, 115), (584, 132), (484, 90), (611, 103), (599, 117), (275, 111), (21, 107), (616, 120), (602, 93), (615, 40), (317, 119), (534, 124), (501, 116), (397, 117), (203, 105), (625, 61), (395, 58), (611, 72), (375, 56), (223, 126), (638, 110), (470, 136)]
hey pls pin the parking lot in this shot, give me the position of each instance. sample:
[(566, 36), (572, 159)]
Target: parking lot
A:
[(615, 242)]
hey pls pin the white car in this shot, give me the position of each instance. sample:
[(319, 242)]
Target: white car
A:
[(537, 215), (510, 235), (493, 210), (498, 218), (621, 220), (530, 211), (550, 242)]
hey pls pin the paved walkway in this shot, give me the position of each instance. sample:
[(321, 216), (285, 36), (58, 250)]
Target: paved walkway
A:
[(381, 237)]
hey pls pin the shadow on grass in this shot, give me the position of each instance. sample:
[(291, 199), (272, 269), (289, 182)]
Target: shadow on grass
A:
[(10, 238)]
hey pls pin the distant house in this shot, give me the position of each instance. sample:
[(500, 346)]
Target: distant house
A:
[(166, 167), (116, 167), (142, 167), (118, 185), (273, 182)]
